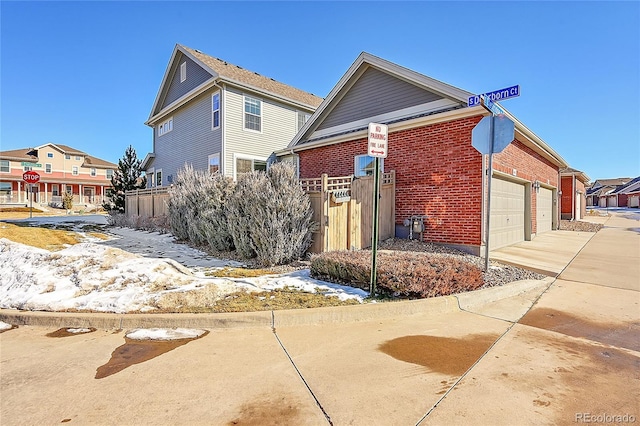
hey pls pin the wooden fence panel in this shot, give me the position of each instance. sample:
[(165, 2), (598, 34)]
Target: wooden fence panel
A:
[(146, 203)]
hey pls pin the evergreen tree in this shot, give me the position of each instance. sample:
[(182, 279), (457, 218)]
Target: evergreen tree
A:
[(125, 178)]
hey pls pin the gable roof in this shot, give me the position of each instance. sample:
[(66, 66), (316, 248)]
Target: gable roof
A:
[(222, 71), (631, 186), (453, 106), (610, 182), (580, 175), (18, 155), (89, 161)]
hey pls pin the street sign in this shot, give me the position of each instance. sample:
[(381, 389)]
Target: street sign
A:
[(496, 95), (504, 131), (377, 144), (31, 177), (503, 134), (490, 106)]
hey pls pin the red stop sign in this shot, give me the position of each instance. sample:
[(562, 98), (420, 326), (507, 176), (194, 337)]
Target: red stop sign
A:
[(31, 177)]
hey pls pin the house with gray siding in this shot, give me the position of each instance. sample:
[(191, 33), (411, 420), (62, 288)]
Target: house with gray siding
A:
[(218, 116)]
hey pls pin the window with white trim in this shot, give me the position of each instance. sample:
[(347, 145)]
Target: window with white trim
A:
[(165, 127), (93, 171), (55, 189), (78, 158), (303, 117), (364, 165), (215, 110), (47, 168), (159, 177), (74, 170), (183, 72), (151, 177), (247, 164), (109, 174), (67, 157), (5, 188), (69, 189), (5, 167), (49, 154), (252, 114), (214, 163)]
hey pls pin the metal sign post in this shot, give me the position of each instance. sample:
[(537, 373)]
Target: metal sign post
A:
[(490, 136), (377, 147), (31, 178)]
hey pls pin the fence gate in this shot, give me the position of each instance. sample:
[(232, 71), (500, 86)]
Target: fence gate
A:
[(343, 206)]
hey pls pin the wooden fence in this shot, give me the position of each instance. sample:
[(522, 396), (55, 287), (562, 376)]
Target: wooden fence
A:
[(146, 202), (343, 206)]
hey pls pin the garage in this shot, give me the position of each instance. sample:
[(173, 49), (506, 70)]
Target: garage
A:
[(544, 210), (507, 213), (634, 200)]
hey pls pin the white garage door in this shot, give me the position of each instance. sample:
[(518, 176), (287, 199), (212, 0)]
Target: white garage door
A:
[(507, 213), (634, 201), (544, 210)]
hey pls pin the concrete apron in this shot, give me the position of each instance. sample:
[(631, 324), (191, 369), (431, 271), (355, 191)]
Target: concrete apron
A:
[(547, 253)]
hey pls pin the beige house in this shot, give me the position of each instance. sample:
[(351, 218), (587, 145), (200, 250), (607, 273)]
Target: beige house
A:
[(61, 169)]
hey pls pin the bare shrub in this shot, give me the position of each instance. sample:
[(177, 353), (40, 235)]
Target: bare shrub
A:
[(213, 222), (183, 210), (270, 216), (408, 275)]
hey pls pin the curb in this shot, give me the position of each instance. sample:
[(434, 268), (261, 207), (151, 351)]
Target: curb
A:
[(272, 319)]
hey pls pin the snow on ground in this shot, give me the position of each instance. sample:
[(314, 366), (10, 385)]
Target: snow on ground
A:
[(4, 326), (98, 277), (164, 334)]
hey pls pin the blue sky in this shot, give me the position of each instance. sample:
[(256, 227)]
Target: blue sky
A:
[(85, 74)]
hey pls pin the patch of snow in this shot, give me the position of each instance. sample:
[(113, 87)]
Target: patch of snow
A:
[(78, 330), (100, 277), (4, 326), (164, 334)]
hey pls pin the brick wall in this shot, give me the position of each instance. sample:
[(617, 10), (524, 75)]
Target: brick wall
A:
[(438, 174), (566, 200)]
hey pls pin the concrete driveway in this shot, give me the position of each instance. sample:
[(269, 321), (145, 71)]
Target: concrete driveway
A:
[(561, 352)]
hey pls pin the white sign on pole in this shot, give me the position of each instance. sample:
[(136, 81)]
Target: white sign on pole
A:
[(378, 144)]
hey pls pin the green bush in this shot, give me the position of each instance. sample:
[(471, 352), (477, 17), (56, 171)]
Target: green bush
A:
[(407, 275)]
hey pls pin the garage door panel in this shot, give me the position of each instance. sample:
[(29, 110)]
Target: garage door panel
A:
[(507, 213), (544, 210)]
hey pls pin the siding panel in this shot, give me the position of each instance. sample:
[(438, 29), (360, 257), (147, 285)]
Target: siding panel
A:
[(196, 75), (373, 94), (191, 140)]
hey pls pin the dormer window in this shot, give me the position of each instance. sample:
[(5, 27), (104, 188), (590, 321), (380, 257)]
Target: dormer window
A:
[(183, 72)]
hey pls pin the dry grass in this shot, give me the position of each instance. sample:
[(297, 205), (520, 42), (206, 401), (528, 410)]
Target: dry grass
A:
[(239, 273), (48, 239), (208, 300)]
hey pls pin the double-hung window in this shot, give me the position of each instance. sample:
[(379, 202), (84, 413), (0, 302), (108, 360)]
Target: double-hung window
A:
[(109, 174), (252, 114), (215, 110), (74, 170), (364, 165), (302, 119), (5, 166), (159, 177), (93, 171), (246, 164), (214, 163), (47, 168)]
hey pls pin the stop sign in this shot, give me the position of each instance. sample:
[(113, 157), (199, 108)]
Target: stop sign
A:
[(31, 177)]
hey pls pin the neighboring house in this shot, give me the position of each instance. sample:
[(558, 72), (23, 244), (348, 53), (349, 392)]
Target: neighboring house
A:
[(625, 195), (61, 169), (438, 173), (573, 200), (218, 116), (597, 193)]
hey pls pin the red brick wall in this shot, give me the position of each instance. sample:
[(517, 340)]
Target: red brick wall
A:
[(567, 203), (438, 174)]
